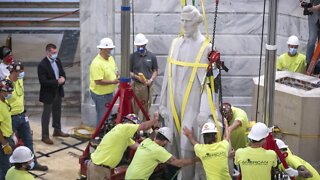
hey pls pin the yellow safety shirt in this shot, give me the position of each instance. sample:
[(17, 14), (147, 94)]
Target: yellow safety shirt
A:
[(214, 158), (238, 137), (5, 119), (102, 69), (255, 163), (148, 155), (17, 100), (295, 161), (110, 150), (296, 63), (15, 174)]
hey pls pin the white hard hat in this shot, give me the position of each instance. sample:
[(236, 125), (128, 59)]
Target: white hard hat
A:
[(21, 154), (293, 40), (106, 43), (258, 131), (209, 127), (166, 132), (281, 144), (140, 40)]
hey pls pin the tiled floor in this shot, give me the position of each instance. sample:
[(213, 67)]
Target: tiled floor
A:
[(62, 157)]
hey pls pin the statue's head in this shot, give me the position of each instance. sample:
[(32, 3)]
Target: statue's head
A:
[(191, 18)]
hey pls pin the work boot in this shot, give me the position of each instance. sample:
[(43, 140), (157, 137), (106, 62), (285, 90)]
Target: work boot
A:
[(47, 141), (39, 167), (60, 133)]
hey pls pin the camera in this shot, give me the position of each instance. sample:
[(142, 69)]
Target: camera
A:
[(305, 6)]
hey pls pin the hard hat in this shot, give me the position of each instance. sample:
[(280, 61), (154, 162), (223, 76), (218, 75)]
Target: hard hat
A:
[(106, 43), (4, 51), (133, 118), (258, 131), (15, 67), (140, 40), (166, 132), (293, 40), (6, 85), (209, 127), (281, 144), (21, 154)]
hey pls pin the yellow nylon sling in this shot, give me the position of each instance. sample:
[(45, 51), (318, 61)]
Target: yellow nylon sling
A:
[(213, 110), (192, 77)]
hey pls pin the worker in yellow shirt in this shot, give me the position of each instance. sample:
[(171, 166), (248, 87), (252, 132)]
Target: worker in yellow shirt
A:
[(254, 161), (292, 60), (6, 89), (150, 153), (213, 154), (112, 146), (20, 122), (22, 160), (103, 77), (238, 122), (303, 170)]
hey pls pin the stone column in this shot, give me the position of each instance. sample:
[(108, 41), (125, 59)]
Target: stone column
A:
[(96, 22)]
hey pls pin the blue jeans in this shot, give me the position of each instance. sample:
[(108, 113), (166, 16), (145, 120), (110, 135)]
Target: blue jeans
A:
[(4, 160), (314, 34), (101, 102), (20, 124)]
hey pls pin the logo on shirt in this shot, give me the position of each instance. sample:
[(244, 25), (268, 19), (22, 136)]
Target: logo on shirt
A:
[(148, 60), (254, 163), (213, 155)]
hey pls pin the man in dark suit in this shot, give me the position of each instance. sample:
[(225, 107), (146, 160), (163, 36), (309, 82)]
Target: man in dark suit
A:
[(52, 78)]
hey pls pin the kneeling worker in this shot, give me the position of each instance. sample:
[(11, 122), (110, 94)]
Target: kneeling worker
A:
[(302, 169), (150, 153), (213, 154), (22, 159), (112, 146)]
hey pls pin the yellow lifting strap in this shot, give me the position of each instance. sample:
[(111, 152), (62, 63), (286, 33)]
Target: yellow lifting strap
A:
[(191, 80), (213, 110)]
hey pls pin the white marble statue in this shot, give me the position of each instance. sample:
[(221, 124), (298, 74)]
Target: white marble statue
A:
[(181, 61)]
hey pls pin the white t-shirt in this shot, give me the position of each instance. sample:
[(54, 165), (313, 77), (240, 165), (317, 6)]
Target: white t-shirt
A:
[(4, 72)]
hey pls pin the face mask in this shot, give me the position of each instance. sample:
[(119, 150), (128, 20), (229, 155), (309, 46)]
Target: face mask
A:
[(21, 75), (31, 165), (9, 59), (8, 96), (141, 50), (293, 51), (111, 52), (54, 56)]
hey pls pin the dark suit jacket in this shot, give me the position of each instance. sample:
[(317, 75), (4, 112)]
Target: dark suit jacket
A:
[(48, 83)]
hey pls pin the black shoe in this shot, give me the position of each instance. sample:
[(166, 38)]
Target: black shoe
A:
[(39, 167)]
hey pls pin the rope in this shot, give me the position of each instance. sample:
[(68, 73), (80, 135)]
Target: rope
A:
[(83, 132), (278, 130), (261, 45)]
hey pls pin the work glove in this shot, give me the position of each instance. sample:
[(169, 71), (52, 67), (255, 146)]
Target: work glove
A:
[(292, 172), (7, 149)]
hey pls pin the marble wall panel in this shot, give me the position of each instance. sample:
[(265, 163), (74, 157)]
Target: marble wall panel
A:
[(238, 35)]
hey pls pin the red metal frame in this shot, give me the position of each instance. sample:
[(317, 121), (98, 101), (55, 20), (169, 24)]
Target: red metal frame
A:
[(125, 95)]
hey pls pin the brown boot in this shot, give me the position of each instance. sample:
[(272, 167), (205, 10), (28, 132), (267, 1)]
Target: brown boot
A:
[(47, 140), (60, 133)]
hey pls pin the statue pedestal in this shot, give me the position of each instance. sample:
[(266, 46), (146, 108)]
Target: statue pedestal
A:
[(296, 112)]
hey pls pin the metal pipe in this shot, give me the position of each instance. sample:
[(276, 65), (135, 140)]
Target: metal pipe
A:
[(269, 74), (125, 38)]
